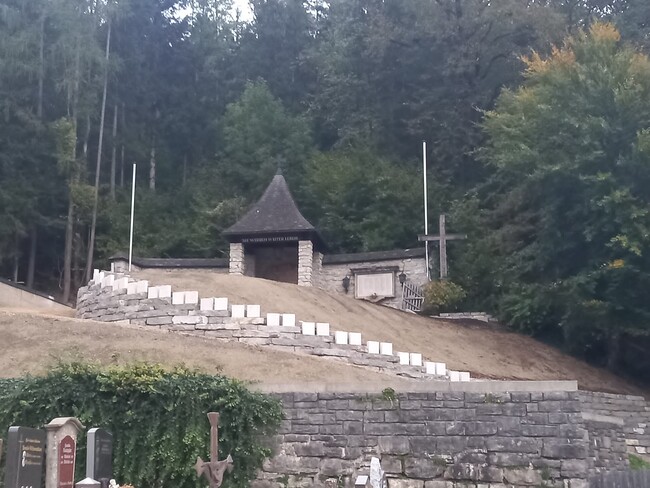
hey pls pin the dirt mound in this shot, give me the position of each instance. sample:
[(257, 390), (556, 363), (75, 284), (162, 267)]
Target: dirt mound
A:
[(31, 343), (485, 351)]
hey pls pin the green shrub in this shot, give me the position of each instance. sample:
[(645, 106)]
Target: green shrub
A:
[(637, 462), (157, 418), (442, 296)]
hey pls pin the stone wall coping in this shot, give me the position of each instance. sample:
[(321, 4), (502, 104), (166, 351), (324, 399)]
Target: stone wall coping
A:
[(603, 419), (476, 386)]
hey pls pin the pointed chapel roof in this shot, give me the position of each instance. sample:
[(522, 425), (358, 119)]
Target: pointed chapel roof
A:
[(275, 212)]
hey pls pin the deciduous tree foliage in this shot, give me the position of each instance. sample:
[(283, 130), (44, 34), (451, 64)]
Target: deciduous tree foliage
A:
[(568, 206)]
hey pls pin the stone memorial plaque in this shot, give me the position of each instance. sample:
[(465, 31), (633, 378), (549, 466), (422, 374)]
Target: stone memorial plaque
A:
[(25, 455), (67, 456), (99, 457)]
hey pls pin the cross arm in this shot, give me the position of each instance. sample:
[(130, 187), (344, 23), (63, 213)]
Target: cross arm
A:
[(448, 237)]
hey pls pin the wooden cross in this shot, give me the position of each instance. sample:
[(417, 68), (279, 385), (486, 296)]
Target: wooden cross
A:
[(214, 469), (443, 237)]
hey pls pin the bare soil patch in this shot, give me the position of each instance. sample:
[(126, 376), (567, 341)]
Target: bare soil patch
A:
[(485, 351), (32, 343)]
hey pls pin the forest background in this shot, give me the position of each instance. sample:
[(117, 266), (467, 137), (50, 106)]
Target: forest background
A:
[(341, 94)]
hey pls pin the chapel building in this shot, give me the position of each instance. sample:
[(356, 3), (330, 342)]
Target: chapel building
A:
[(274, 241)]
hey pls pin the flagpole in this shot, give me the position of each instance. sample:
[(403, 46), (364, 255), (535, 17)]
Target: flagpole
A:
[(132, 212), (426, 206)]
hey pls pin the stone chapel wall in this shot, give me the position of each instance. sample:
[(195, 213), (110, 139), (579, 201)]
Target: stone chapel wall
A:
[(330, 276)]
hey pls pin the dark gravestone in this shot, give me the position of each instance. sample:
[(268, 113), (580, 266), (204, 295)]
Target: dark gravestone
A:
[(99, 457), (25, 455)]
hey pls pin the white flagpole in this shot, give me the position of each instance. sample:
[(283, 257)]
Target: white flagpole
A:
[(132, 210), (426, 206)]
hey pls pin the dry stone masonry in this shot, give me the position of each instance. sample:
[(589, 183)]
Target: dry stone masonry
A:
[(115, 297), (434, 440)]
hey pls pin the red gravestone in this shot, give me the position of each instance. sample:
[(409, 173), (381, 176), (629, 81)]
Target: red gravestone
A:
[(67, 453)]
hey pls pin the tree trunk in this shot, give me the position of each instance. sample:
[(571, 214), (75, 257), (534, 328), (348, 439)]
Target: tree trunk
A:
[(67, 253), (184, 169), (122, 155), (41, 69), (114, 153), (91, 244), (69, 225), (614, 350), (152, 165), (16, 256), (31, 265), (86, 138)]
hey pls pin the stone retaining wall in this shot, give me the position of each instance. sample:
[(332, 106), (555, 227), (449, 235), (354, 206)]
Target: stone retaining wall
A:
[(431, 440), (633, 411), (112, 297)]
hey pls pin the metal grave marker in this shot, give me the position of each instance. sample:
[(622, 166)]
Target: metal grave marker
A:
[(214, 470)]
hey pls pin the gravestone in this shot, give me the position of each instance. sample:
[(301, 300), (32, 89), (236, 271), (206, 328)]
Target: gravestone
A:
[(99, 455), (25, 455), (62, 435)]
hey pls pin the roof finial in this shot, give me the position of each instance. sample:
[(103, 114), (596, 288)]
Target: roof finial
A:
[(281, 161)]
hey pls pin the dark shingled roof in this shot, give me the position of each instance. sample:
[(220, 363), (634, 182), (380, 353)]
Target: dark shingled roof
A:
[(359, 257), (275, 212), (173, 262)]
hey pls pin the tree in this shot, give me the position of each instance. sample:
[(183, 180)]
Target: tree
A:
[(363, 202), (568, 202), (258, 135)]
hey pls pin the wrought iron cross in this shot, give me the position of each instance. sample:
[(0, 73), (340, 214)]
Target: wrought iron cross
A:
[(214, 469)]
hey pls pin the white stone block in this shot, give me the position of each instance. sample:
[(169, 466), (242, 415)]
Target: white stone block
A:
[(120, 284), (404, 358), (464, 376), (340, 337), (108, 281), (430, 368), (373, 347), (165, 291), (386, 348), (288, 320), (273, 319), (454, 375), (416, 359), (178, 298), (132, 288), (152, 292), (95, 275), (322, 329), (207, 304), (238, 311), (191, 297), (441, 369), (309, 328), (221, 303), (141, 286), (354, 338), (253, 311)]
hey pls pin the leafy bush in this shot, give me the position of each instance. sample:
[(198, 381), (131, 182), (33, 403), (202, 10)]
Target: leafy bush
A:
[(637, 462), (157, 418), (442, 296)]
